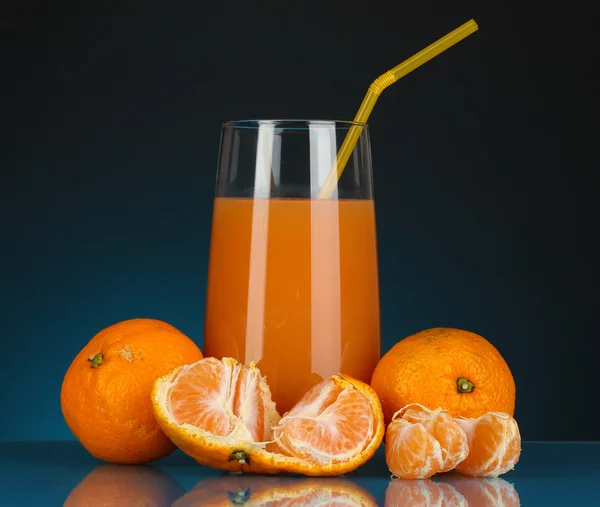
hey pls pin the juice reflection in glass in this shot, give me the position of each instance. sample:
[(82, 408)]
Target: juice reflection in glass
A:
[(293, 281)]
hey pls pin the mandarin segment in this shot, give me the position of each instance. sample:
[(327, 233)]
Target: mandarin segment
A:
[(332, 424), (223, 398), (444, 429), (105, 394), (494, 445), (411, 452), (457, 370)]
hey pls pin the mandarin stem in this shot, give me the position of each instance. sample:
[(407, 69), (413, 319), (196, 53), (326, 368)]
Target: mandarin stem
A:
[(464, 386), (241, 457), (96, 360)]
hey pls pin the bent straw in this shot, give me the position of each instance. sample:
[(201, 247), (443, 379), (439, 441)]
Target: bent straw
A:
[(380, 84)]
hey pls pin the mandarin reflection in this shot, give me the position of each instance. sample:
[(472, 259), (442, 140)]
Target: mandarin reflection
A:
[(125, 486), (252, 490), (452, 490)]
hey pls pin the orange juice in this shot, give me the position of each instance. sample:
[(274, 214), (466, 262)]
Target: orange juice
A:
[(293, 287)]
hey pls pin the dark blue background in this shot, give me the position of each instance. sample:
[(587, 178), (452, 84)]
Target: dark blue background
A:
[(110, 132)]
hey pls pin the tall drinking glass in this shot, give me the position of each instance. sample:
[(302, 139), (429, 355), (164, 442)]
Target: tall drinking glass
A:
[(292, 279)]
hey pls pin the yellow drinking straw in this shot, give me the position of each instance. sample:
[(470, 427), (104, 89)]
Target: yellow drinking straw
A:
[(380, 84)]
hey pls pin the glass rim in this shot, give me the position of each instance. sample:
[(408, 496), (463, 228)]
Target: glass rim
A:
[(307, 122)]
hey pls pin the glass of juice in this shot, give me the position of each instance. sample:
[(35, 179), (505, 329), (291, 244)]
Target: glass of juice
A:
[(293, 280)]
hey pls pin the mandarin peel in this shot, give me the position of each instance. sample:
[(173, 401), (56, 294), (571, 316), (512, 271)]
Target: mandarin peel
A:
[(455, 369), (236, 454), (103, 393)]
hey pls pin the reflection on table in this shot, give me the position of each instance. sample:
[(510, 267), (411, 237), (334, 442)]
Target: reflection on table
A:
[(252, 490), (122, 485), (125, 486), (452, 490)]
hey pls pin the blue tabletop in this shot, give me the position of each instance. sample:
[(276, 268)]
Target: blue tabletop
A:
[(63, 473)]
